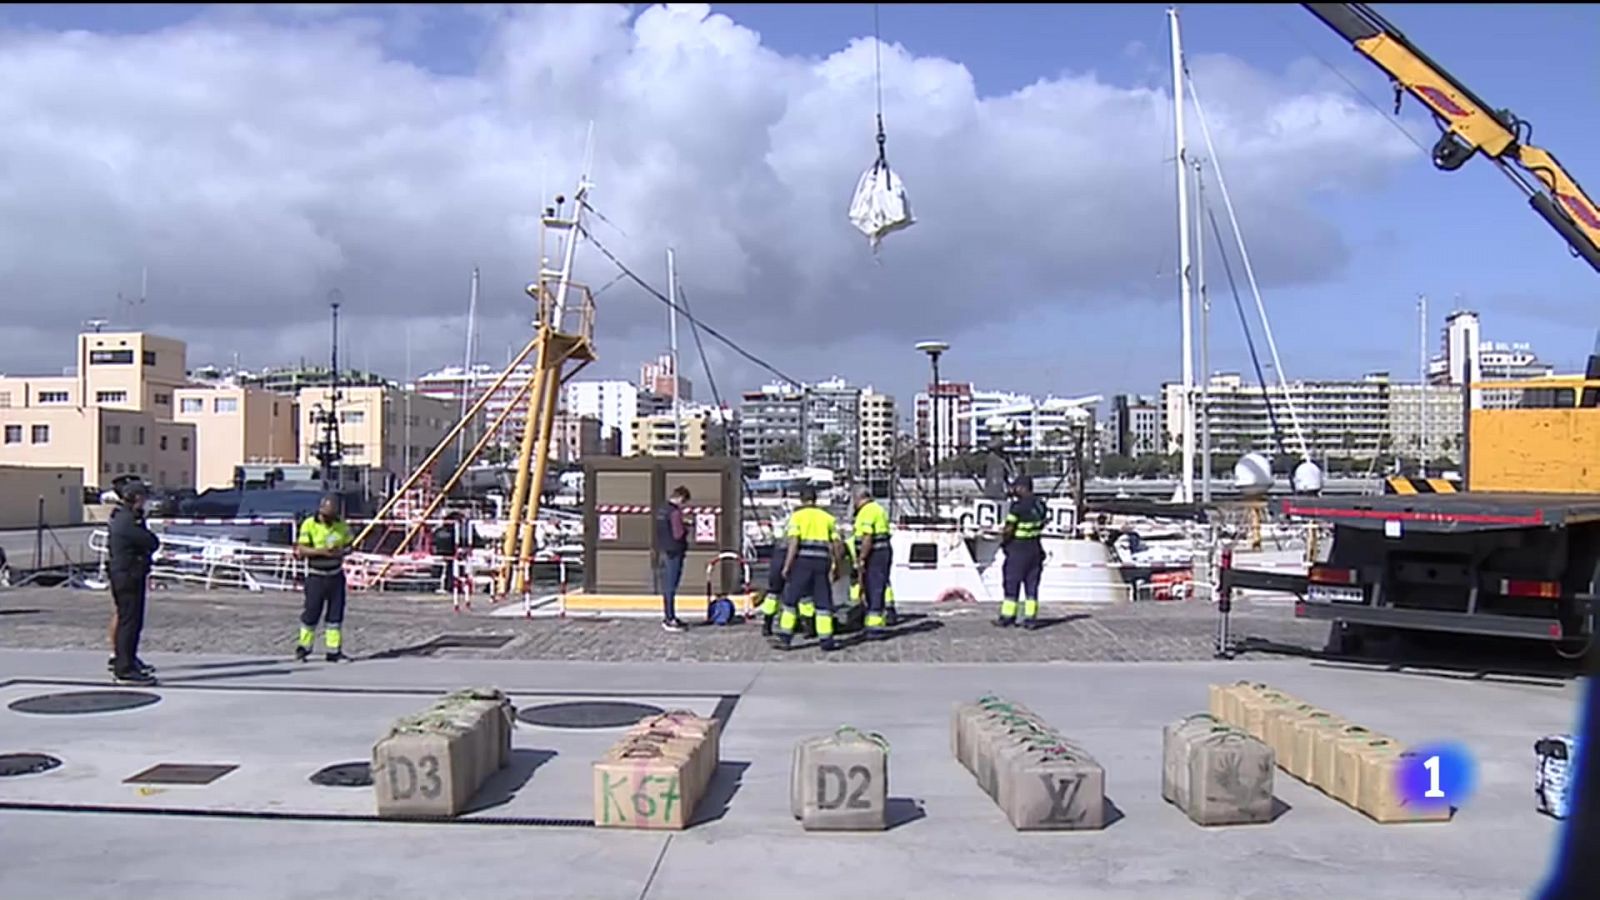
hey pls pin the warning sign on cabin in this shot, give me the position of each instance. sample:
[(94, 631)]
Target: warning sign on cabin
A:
[(608, 526), (705, 527)]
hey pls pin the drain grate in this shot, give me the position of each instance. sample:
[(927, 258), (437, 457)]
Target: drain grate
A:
[(588, 714), (350, 774), (26, 764), (180, 773), (80, 702)]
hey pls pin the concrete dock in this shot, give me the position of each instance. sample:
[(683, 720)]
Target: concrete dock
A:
[(263, 829)]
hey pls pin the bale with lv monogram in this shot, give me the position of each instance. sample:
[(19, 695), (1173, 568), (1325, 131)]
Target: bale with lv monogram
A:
[(1041, 780)]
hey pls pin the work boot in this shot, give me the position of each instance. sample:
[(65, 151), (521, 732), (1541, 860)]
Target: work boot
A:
[(828, 645), (891, 618), (876, 634), (1004, 621), (139, 664), (143, 678), (1030, 624), (781, 641), (336, 656), (766, 626), (301, 654)]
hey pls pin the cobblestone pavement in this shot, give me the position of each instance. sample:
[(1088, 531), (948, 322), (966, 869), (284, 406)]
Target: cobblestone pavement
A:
[(236, 622)]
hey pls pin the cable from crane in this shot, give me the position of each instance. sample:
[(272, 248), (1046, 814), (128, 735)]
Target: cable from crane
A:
[(732, 345)]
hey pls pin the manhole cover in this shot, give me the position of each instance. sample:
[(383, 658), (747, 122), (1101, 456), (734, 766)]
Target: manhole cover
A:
[(179, 773), (350, 774), (588, 714), (78, 702), (26, 764)]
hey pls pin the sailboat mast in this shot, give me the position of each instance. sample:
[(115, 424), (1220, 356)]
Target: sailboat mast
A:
[(466, 363), (1186, 298), (672, 340)]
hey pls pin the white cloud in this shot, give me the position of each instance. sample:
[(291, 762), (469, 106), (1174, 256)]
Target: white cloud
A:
[(254, 162)]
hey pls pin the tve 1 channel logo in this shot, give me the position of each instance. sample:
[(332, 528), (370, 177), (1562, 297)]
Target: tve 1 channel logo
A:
[(1440, 774)]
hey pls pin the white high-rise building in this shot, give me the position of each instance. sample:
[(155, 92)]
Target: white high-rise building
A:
[(614, 403), (1462, 340)]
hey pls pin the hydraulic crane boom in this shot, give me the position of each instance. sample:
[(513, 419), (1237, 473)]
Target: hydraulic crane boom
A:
[(1471, 125)]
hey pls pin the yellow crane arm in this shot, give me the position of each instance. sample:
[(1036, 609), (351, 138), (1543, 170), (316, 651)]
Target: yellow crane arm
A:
[(1470, 125)]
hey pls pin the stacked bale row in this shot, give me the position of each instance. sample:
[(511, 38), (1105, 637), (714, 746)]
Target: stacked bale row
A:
[(1351, 763), (1040, 779)]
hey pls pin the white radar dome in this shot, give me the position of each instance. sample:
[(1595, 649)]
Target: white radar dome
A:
[(1307, 478), (1252, 474)]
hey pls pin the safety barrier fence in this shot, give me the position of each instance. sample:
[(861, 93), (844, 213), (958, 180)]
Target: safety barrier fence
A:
[(223, 563)]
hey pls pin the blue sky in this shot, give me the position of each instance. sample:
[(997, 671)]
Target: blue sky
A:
[(1466, 235)]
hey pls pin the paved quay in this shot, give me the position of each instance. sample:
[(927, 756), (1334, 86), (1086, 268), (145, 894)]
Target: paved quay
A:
[(264, 830), (196, 621)]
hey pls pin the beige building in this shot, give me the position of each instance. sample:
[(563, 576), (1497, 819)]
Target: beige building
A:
[(878, 430), (380, 427), (112, 416), (24, 488), (657, 435), (234, 425)]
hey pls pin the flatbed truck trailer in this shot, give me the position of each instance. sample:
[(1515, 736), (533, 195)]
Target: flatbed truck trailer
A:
[(1515, 552)]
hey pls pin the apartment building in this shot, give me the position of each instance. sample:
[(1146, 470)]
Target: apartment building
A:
[(771, 425), (832, 434), (702, 430), (954, 415), (1441, 404), (113, 415), (879, 427), (1135, 426), (614, 403), (1339, 418), (380, 427), (657, 377), (235, 425)]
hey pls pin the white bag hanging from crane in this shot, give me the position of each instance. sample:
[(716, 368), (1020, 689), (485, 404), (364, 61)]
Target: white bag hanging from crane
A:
[(880, 206)]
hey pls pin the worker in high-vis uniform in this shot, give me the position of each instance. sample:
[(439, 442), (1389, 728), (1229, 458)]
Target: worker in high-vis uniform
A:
[(873, 558), (812, 555), (1024, 551), (324, 541)]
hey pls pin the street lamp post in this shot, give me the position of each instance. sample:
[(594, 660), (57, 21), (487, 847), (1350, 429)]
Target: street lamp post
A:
[(934, 349)]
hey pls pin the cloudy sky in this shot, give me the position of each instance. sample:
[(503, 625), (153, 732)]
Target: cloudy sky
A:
[(256, 159)]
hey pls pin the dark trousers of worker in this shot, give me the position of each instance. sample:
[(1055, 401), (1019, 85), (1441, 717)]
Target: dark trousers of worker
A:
[(668, 574), (128, 593), (324, 603), (875, 585), (1023, 568), (809, 577)]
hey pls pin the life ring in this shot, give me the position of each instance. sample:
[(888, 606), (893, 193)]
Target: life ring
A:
[(956, 595)]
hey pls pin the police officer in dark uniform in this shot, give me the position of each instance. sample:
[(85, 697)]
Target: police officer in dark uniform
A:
[(130, 547), (1024, 563)]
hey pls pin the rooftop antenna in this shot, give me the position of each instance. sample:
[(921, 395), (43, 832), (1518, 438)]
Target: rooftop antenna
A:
[(97, 324)]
